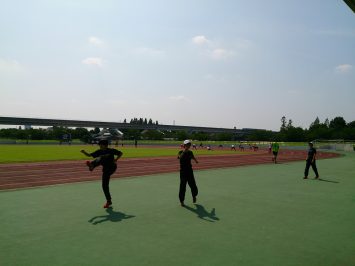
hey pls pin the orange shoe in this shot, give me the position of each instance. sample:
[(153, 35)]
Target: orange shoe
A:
[(89, 164), (108, 204)]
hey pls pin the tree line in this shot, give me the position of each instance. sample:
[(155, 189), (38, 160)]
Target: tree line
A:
[(336, 128), (141, 121)]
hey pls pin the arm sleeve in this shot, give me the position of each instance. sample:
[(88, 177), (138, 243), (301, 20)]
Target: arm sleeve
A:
[(179, 154), (95, 154), (118, 153)]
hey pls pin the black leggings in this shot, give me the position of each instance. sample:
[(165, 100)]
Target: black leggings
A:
[(106, 175), (187, 177), (314, 167)]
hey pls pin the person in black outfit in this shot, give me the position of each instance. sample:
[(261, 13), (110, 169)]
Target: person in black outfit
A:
[(186, 173), (105, 157), (311, 161)]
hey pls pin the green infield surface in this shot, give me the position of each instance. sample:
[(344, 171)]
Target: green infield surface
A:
[(255, 215), (37, 153)]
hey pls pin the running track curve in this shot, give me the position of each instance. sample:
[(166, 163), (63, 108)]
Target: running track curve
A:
[(24, 175)]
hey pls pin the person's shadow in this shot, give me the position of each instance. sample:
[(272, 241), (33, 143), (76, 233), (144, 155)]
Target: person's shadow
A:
[(203, 214), (325, 180), (111, 216)]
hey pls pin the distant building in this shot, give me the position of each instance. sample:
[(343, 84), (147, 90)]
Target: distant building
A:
[(111, 134)]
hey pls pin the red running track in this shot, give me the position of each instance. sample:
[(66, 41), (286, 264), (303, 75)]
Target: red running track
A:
[(23, 175)]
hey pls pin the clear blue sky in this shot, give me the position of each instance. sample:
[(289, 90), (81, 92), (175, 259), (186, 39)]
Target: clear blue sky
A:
[(211, 63)]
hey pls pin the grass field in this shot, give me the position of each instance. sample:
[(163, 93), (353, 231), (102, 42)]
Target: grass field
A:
[(152, 142), (54, 152), (257, 215), (35, 153)]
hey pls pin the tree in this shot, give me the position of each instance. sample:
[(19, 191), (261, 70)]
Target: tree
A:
[(81, 133), (283, 122), (295, 134), (224, 136), (337, 123), (263, 135), (182, 135), (315, 124), (59, 132), (289, 125), (351, 124), (131, 133), (153, 135), (38, 134), (201, 136)]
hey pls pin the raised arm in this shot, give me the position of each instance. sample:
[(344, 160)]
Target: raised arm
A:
[(179, 154), (85, 153), (118, 155)]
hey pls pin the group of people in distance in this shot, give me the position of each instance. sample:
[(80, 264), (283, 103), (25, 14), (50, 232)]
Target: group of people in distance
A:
[(252, 147), (107, 157)]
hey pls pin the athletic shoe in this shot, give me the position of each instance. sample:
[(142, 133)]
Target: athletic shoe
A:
[(89, 164), (317, 177), (305, 177), (108, 204), (182, 204), (194, 199)]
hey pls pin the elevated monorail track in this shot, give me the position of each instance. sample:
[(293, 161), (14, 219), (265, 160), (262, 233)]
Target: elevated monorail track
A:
[(100, 124)]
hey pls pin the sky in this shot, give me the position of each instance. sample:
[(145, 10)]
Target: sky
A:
[(225, 63)]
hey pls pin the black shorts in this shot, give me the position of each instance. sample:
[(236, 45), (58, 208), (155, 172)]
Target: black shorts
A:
[(275, 153)]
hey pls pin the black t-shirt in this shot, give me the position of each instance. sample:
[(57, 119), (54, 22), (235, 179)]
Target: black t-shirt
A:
[(311, 152), (185, 157), (107, 156)]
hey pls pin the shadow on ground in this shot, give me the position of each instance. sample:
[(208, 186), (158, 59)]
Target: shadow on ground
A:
[(326, 180), (203, 214), (112, 216)]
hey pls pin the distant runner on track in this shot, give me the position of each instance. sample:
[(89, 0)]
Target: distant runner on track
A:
[(275, 151)]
